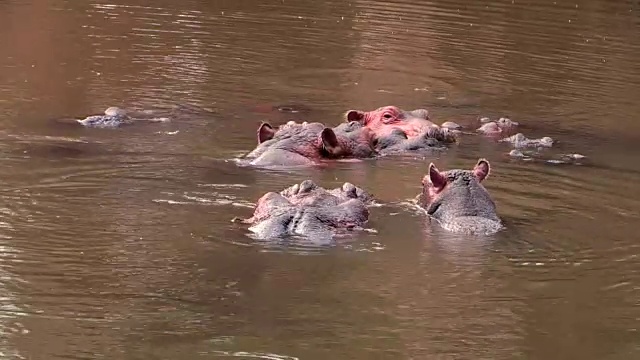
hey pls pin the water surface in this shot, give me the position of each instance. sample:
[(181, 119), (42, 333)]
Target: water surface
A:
[(118, 243)]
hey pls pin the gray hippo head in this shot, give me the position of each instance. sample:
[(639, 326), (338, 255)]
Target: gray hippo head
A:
[(458, 200), (295, 144)]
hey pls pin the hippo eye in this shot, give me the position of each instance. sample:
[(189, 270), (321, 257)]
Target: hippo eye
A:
[(387, 116)]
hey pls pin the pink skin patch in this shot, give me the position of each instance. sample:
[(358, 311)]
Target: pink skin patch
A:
[(385, 119)]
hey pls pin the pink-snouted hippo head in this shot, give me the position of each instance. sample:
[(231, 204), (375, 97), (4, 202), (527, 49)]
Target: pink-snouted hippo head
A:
[(387, 118)]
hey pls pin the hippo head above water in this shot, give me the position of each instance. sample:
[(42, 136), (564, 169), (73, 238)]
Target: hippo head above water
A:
[(386, 115), (326, 144), (498, 128), (386, 118), (457, 199), (299, 144), (398, 131)]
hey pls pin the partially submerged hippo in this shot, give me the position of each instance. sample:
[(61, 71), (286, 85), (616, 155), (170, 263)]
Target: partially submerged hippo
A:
[(311, 211), (387, 118), (115, 117), (458, 201), (500, 128), (520, 141), (397, 130), (303, 144), (397, 141), (504, 130)]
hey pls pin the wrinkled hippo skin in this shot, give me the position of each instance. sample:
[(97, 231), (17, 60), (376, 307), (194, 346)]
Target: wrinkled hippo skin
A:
[(304, 144), (311, 211), (458, 200), (397, 130)]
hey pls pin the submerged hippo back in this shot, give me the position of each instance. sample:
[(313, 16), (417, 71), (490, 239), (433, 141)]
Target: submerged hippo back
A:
[(309, 210), (294, 221)]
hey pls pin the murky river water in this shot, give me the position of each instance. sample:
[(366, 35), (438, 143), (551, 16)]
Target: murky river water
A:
[(118, 244)]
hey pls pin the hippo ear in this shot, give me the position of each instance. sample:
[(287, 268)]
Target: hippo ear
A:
[(330, 142), (265, 132), (436, 178), (482, 169), (354, 115)]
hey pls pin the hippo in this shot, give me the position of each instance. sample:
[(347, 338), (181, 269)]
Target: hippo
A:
[(397, 141), (397, 130), (458, 200), (519, 141), (387, 118), (500, 128), (115, 117), (304, 144), (529, 155), (309, 210)]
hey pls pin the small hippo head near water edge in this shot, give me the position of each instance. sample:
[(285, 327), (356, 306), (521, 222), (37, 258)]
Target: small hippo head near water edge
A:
[(458, 201), (303, 144)]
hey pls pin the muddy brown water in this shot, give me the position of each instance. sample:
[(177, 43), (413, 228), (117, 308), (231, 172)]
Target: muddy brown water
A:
[(117, 244)]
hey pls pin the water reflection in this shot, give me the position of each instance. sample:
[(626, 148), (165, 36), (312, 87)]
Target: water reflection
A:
[(11, 309)]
